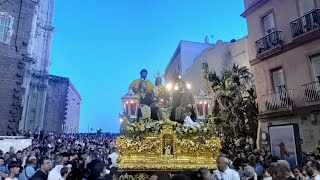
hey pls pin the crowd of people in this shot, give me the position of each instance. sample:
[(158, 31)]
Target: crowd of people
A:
[(91, 157), (65, 157)]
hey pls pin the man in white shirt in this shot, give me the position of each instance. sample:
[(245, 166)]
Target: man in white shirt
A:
[(113, 156), (54, 174), (224, 172), (313, 168)]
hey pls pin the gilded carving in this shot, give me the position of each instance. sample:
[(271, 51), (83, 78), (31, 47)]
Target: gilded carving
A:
[(167, 151)]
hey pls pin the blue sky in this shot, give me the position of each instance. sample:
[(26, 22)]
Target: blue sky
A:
[(102, 45)]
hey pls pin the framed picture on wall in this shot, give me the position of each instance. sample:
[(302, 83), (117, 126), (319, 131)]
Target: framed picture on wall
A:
[(285, 143)]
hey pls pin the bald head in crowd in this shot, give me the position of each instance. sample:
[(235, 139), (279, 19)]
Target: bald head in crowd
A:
[(58, 160), (283, 169), (223, 163)]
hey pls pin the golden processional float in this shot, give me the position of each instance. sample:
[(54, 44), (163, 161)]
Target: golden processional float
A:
[(147, 145)]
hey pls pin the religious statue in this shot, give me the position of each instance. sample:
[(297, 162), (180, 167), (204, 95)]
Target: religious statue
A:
[(182, 103), (160, 108), (189, 122), (144, 88), (167, 150)]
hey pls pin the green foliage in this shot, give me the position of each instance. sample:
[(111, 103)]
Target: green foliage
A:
[(235, 109)]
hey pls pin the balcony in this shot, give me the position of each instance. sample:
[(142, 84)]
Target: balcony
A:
[(311, 92), (268, 42), (278, 100), (306, 23)]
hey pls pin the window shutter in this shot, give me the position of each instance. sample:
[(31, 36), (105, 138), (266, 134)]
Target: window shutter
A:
[(268, 24), (315, 61), (4, 28), (278, 78), (306, 6)]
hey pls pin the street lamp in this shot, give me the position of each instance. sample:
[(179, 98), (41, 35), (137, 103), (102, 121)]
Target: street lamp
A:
[(203, 105), (130, 104)]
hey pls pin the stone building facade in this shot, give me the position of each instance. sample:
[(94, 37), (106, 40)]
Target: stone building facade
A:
[(62, 107), (220, 56), (26, 28), (17, 21), (183, 58), (284, 54)]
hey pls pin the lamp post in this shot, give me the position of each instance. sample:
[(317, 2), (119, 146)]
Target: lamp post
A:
[(203, 105), (130, 104)]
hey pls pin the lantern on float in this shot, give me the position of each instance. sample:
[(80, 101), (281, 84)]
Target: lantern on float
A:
[(203, 105), (130, 104)]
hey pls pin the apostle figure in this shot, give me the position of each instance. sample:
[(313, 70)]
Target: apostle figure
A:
[(182, 103), (144, 88), (160, 108)]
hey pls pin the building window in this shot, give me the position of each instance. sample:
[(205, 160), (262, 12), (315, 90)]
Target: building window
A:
[(5, 28), (315, 61), (306, 6), (268, 24), (278, 80)]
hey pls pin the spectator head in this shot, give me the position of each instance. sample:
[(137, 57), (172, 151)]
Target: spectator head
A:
[(109, 161), (1, 161), (6, 156), (313, 167), (223, 163), (59, 159), (205, 174), (14, 168), (249, 172), (99, 170), (180, 177), (45, 164), (64, 172), (297, 171), (36, 150), (237, 163), (19, 155), (52, 154), (283, 169), (244, 162), (160, 176), (273, 168), (11, 150), (32, 160), (24, 151), (252, 160), (65, 157)]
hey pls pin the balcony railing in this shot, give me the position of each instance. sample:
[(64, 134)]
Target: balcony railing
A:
[(311, 92), (306, 23), (269, 41), (277, 100)]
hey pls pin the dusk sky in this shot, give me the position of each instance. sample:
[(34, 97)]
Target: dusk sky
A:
[(102, 45)]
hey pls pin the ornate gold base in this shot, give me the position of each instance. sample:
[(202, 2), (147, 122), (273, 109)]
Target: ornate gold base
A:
[(167, 151), (163, 167)]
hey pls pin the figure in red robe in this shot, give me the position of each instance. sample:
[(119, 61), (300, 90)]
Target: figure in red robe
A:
[(283, 150)]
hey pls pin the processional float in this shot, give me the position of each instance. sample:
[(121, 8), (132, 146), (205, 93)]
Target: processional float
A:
[(148, 145)]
